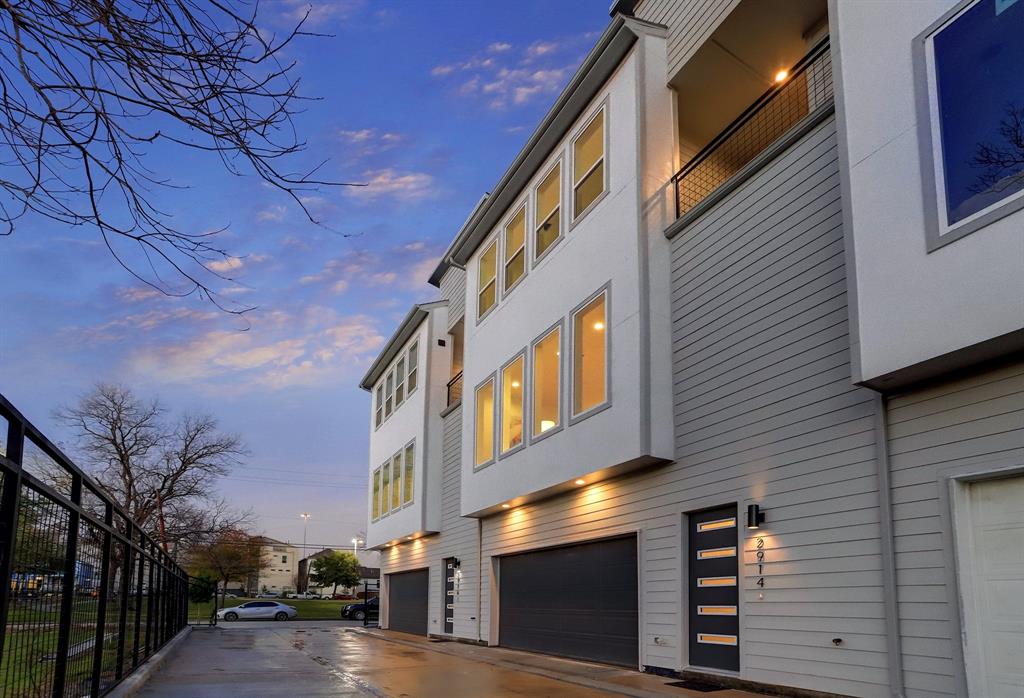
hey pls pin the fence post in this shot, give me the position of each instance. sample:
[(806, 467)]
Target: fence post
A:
[(126, 591), (67, 601), (10, 498)]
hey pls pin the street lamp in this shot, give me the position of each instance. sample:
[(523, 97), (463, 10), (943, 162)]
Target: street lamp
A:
[(305, 526), (355, 545)]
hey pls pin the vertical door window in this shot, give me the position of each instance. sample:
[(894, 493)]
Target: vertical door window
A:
[(590, 356), (547, 382), (512, 380)]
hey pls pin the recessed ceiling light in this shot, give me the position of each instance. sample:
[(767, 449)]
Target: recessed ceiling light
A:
[(581, 481), (506, 506), (781, 75)]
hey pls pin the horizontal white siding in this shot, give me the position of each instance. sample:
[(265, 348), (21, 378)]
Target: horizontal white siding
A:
[(689, 22), (976, 421), (453, 290)]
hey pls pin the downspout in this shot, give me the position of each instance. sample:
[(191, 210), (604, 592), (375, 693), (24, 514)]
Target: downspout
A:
[(479, 577), (892, 622)]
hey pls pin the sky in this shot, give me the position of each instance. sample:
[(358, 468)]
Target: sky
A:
[(427, 103)]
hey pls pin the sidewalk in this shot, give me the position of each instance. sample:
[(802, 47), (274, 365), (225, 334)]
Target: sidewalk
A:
[(279, 660)]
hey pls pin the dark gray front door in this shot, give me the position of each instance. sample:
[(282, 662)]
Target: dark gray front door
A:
[(407, 601), (714, 594), (448, 600), (577, 601)]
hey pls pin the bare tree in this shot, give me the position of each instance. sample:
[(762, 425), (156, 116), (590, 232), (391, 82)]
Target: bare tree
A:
[(89, 87), (163, 473), (1002, 164)]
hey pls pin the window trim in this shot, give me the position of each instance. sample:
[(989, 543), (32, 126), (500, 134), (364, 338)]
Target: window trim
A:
[(385, 490), (412, 365), (527, 422), (400, 380), (531, 366), (401, 471), (405, 469), (389, 394), (558, 161), (492, 376), (375, 496), (576, 418), (600, 110), (497, 294), (929, 147), (378, 412), (506, 290)]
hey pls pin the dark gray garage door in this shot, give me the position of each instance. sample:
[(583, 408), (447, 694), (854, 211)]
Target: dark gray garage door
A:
[(407, 601), (578, 601)]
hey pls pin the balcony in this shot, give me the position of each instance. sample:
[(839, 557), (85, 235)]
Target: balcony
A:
[(804, 91), (455, 389)]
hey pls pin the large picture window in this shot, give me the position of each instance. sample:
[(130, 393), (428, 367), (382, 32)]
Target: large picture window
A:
[(487, 295), (588, 165), (484, 417), (549, 210), (545, 410), (975, 93), (512, 387), (515, 249), (590, 355)]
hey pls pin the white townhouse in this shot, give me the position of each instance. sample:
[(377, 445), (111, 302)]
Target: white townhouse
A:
[(725, 378)]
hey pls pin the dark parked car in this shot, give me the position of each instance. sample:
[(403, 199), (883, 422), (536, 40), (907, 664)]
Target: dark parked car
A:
[(359, 611)]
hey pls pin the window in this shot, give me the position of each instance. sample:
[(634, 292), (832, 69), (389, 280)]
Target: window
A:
[(549, 211), (375, 504), (414, 352), (389, 394), (410, 469), (547, 381), (385, 488), (396, 481), (588, 165), (515, 249), (399, 382), (379, 412), (589, 360), (976, 97), (484, 451), (284, 558), (488, 280), (512, 382)]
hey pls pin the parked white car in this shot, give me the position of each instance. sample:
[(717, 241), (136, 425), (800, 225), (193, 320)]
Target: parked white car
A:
[(258, 610), (304, 595)]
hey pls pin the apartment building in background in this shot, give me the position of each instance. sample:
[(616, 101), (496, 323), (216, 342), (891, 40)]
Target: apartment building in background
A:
[(279, 570), (726, 376)]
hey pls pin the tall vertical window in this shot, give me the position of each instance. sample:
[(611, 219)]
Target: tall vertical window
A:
[(484, 449), (410, 470), (385, 488), (414, 351), (547, 382), (396, 481), (378, 416), (389, 394), (375, 504), (487, 295), (549, 211), (512, 382), (515, 249), (588, 165), (399, 382), (590, 354)]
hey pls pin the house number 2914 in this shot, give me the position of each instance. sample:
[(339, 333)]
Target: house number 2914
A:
[(760, 562)]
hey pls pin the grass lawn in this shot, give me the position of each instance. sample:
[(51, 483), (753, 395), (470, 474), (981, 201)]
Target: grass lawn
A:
[(309, 609)]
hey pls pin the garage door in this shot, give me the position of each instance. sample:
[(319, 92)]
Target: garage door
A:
[(407, 601), (997, 532), (578, 601)]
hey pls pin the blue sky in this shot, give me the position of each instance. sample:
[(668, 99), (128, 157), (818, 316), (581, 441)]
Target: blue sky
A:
[(426, 102)]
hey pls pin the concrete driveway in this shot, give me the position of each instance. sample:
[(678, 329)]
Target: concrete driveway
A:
[(309, 659)]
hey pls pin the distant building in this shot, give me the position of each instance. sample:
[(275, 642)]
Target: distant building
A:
[(280, 570), (369, 571)]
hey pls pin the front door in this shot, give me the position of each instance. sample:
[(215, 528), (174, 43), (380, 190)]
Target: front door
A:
[(448, 601), (714, 594)]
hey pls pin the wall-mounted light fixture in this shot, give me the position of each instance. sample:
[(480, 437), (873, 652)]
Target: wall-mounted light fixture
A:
[(755, 517), (456, 563)]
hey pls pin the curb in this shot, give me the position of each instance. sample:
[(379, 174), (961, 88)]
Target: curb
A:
[(137, 680)]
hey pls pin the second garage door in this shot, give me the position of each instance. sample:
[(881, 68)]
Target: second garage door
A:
[(407, 601), (578, 601)]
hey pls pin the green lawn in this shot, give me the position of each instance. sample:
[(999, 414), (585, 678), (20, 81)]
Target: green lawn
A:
[(309, 609)]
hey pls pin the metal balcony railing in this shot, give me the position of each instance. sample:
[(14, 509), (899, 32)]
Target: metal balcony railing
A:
[(455, 389), (807, 88)]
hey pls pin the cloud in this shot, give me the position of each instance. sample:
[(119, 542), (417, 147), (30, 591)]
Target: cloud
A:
[(540, 48), (499, 47), (273, 213), (405, 266), (137, 294), (519, 85), (225, 265), (404, 186), (369, 141), (315, 13)]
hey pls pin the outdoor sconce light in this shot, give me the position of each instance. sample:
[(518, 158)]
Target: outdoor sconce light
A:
[(456, 563), (755, 517)]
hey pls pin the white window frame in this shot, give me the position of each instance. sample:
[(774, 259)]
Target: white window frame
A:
[(493, 379), (499, 423), (412, 369), (576, 417), (385, 490), (558, 162), (378, 412), (389, 395), (559, 326), (525, 249), (599, 111), (407, 476), (399, 382), (375, 496), (497, 265)]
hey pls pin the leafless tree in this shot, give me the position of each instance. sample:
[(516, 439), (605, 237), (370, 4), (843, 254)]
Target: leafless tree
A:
[(91, 90), (1002, 164), (162, 472)]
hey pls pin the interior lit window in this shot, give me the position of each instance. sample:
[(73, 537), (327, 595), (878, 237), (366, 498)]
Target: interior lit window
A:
[(546, 381), (385, 488), (588, 165), (399, 382), (410, 468), (515, 249), (549, 211), (379, 412), (375, 504), (414, 351), (589, 343), (389, 394), (484, 422), (512, 382), (396, 481), (488, 279)]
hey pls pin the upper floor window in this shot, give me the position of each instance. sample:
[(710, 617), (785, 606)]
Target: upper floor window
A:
[(379, 411), (512, 387), (396, 482), (385, 488), (483, 451), (590, 354), (487, 295), (515, 249), (547, 381), (976, 98), (284, 558), (414, 352), (389, 394), (548, 210), (375, 504), (588, 165), (410, 469), (399, 382)]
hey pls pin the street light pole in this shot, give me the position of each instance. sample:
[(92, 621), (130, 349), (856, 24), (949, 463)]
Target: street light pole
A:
[(305, 525)]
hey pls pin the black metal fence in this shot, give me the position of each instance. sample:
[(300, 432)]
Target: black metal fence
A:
[(88, 596)]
